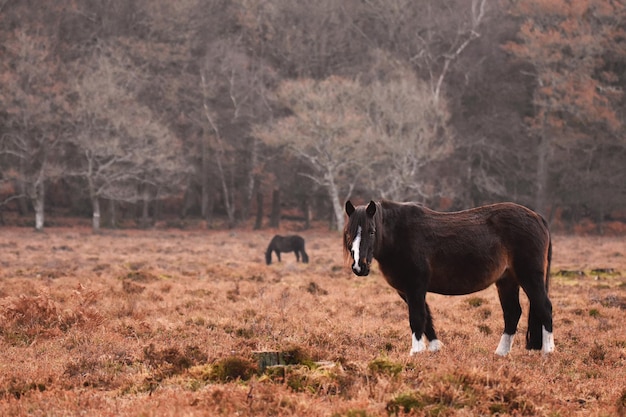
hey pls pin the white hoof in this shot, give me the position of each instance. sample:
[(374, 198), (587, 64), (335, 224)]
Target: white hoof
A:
[(506, 342), (417, 345), (434, 345), (547, 341)]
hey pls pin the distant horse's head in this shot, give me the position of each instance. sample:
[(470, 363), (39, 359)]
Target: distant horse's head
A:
[(359, 236)]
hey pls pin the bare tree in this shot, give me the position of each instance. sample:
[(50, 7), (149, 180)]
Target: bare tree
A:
[(429, 35), (31, 96), (121, 150), (220, 150), (303, 39), (328, 130), (382, 134), (232, 97), (411, 125)]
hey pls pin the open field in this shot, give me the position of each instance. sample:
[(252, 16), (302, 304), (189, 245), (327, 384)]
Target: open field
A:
[(167, 323)]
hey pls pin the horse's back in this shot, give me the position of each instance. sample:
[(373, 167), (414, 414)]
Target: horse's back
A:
[(519, 227), (504, 236), (508, 220), (295, 241), (288, 243)]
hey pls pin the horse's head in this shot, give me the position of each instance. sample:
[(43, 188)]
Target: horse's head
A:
[(360, 236)]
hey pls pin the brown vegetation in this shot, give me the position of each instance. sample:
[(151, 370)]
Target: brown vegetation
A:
[(169, 323)]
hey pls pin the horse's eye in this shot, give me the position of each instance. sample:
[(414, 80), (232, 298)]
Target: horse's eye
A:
[(372, 232)]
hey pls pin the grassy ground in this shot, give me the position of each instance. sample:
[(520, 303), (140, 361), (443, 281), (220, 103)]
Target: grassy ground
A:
[(169, 323)]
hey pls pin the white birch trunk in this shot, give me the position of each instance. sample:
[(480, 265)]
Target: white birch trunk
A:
[(38, 203), (334, 198), (95, 220)]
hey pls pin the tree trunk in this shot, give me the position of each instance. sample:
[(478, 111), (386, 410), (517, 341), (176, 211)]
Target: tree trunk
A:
[(95, 221), (204, 201), (258, 224), (469, 189), (22, 202), (208, 217), (229, 203), (275, 216), (333, 193), (204, 179), (229, 200), (112, 214), (600, 220), (145, 208), (145, 214), (307, 214), (38, 204), (542, 174), (157, 210), (252, 180), (332, 221)]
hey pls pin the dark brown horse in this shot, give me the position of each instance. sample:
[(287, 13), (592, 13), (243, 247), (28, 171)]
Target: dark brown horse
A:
[(292, 243), (420, 250)]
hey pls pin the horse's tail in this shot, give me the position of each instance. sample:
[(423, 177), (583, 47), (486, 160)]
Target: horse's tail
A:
[(548, 258), (534, 334), (547, 279)]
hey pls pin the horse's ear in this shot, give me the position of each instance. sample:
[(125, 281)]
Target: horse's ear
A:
[(371, 209), (349, 208)]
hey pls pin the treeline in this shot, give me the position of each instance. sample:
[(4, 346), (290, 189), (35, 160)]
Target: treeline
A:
[(206, 108)]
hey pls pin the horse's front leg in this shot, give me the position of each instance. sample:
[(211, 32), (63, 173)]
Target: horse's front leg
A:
[(429, 330), (297, 255), (421, 324), (278, 255)]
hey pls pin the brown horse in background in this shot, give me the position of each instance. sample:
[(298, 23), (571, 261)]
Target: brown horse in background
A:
[(420, 250), (292, 243)]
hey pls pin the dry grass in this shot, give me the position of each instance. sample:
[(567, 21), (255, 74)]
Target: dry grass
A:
[(147, 323)]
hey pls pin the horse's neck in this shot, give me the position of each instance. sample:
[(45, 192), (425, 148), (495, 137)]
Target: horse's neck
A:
[(388, 219), (382, 234)]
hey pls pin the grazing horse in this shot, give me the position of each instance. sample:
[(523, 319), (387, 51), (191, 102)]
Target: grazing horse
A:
[(292, 243), (420, 250)]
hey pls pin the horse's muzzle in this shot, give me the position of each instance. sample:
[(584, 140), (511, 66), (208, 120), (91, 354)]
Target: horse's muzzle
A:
[(362, 269)]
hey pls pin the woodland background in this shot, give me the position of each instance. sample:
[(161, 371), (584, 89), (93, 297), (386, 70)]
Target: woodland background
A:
[(218, 110)]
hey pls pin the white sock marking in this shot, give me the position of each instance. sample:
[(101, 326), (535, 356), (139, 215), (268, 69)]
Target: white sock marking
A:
[(434, 345), (417, 345), (547, 341), (504, 347), (356, 243)]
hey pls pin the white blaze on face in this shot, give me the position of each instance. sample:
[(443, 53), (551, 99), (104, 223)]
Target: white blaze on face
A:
[(356, 243)]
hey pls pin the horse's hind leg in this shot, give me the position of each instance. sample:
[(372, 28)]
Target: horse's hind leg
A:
[(539, 333), (508, 291), (297, 255)]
